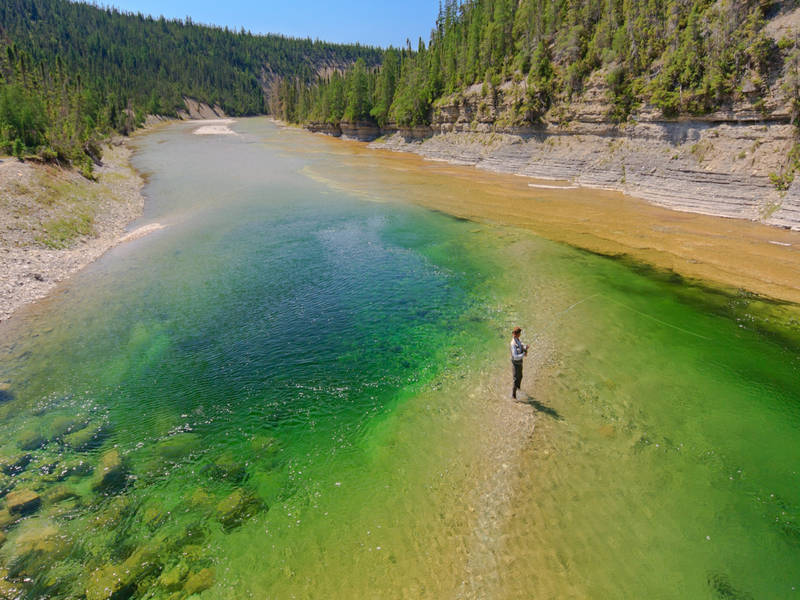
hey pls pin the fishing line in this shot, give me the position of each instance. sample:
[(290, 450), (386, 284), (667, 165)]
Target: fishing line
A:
[(569, 308), (702, 337), (652, 318), (566, 310)]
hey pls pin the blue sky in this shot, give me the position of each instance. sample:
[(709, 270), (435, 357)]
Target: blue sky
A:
[(374, 23)]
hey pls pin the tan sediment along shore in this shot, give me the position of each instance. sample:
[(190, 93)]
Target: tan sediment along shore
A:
[(731, 253)]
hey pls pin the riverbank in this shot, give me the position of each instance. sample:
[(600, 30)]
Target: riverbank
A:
[(716, 168), (54, 221), (733, 253), (738, 161)]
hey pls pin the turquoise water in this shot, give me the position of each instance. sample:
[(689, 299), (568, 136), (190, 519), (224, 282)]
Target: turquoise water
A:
[(300, 391)]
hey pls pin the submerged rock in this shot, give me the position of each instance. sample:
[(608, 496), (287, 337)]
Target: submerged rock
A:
[(112, 514), (12, 465), (264, 446), (197, 582), (44, 465), (229, 468), (200, 499), (178, 446), (154, 516), (85, 439), (120, 580), (236, 508), (59, 493), (107, 582), (2, 539), (188, 535), (77, 467), (9, 589), (6, 395), (7, 519), (65, 424), (30, 439), (38, 545), (6, 484), (144, 560), (110, 474), (172, 579), (23, 502), (193, 552)]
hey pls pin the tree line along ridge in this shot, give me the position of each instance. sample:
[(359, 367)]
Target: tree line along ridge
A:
[(71, 73), (684, 57)]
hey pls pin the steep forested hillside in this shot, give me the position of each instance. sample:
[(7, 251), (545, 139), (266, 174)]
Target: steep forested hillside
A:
[(70, 71), (681, 56)]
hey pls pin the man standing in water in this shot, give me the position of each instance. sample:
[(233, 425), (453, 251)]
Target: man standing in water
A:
[(518, 352)]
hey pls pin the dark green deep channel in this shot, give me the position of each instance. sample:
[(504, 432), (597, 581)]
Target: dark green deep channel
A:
[(278, 396)]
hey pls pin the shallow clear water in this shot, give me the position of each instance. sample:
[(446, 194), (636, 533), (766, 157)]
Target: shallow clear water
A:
[(306, 385)]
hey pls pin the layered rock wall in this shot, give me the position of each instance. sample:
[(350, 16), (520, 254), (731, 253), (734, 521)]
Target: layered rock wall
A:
[(723, 163), (719, 164)]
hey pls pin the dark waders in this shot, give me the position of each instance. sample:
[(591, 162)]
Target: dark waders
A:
[(516, 367)]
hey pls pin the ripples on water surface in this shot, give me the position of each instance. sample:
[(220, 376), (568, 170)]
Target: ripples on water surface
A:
[(292, 391)]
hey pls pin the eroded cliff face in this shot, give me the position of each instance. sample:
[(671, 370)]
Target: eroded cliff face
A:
[(200, 110), (719, 164), (728, 163)]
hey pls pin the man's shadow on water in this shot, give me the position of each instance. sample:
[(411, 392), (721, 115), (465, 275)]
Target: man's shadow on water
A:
[(539, 407)]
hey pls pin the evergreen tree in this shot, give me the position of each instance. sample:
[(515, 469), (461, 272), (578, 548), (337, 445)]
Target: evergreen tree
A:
[(385, 87), (358, 97)]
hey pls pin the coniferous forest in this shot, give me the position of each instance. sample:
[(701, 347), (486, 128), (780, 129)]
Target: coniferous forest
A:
[(71, 73), (681, 56)]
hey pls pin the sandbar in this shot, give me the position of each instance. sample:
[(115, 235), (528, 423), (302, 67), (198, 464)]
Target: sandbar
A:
[(214, 127)]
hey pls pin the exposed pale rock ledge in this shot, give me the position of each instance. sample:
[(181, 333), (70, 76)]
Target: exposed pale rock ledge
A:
[(199, 110), (718, 164), (689, 166)]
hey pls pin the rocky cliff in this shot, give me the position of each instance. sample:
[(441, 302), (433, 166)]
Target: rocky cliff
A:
[(719, 164), (730, 163), (200, 110)]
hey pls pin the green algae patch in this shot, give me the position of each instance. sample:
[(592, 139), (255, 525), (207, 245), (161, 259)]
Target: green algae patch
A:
[(179, 446), (200, 581)]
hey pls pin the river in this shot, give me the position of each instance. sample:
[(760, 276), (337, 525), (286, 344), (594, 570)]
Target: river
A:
[(299, 388)]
